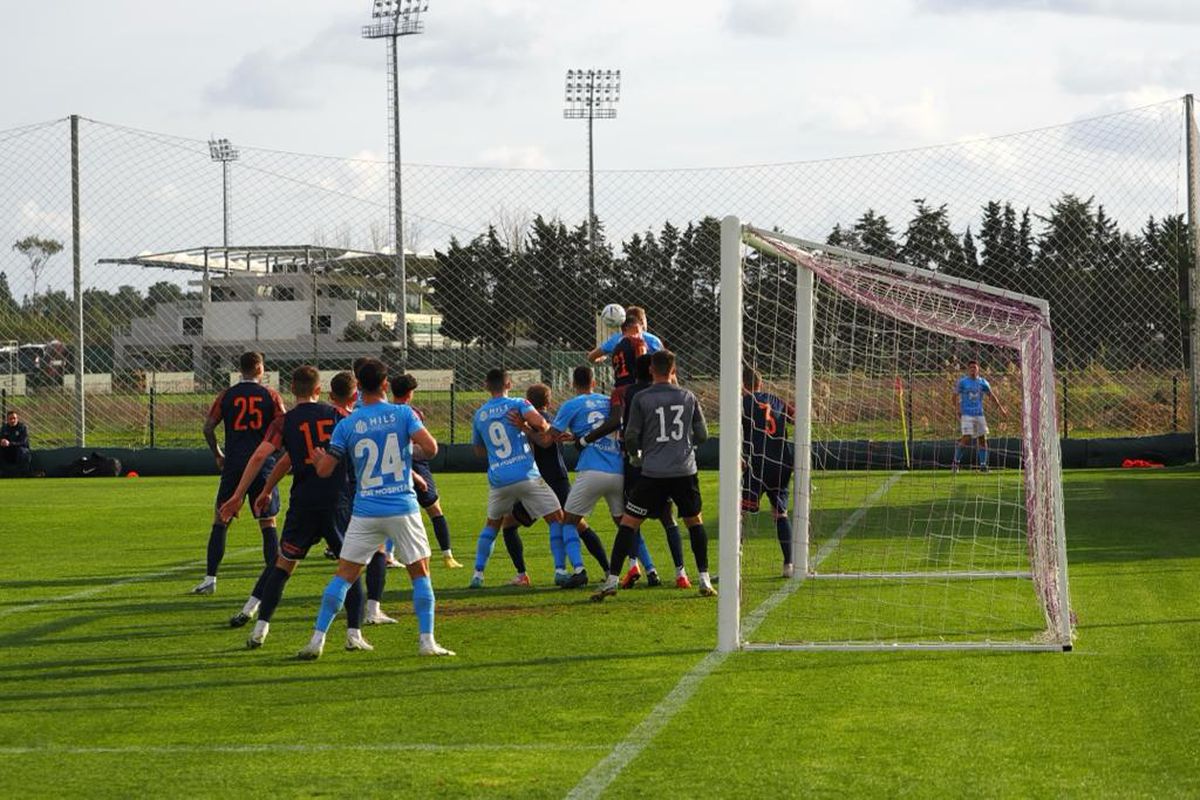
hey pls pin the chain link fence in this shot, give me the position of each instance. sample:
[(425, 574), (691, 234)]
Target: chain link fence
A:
[(501, 271)]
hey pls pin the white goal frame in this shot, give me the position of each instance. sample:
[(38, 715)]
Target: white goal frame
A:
[(732, 631)]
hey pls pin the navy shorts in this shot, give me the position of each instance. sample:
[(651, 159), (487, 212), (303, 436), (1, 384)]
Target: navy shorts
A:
[(304, 527), (429, 496), (561, 489), (230, 481)]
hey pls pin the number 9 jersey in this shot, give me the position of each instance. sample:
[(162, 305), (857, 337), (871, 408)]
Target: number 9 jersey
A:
[(509, 458), (378, 439)]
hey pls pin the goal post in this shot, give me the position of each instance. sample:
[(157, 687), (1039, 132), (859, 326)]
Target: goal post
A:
[(902, 534)]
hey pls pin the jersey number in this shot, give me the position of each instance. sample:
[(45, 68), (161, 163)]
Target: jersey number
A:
[(676, 424), (324, 428), (499, 437), (392, 462), (249, 414), (769, 425), (620, 368)]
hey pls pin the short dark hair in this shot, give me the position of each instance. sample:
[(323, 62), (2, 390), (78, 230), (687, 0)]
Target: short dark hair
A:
[(249, 362), (341, 386), (641, 368), (539, 395), (662, 362), (750, 378), (972, 361), (630, 322), (582, 377), (495, 380), (371, 374), (305, 381), (637, 312), (403, 384)]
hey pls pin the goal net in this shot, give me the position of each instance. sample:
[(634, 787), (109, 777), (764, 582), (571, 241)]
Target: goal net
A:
[(870, 512)]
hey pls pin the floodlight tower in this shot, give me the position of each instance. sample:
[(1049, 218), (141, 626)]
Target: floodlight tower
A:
[(393, 19), (223, 151), (592, 94)]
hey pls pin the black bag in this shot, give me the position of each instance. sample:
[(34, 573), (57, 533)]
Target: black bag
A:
[(94, 466)]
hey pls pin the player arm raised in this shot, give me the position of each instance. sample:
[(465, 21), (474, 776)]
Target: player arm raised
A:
[(531, 423)]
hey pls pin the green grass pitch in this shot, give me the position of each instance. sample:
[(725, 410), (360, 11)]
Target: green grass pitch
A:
[(115, 683)]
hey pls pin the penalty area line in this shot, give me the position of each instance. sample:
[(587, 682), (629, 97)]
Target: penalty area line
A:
[(97, 590), (375, 747), (601, 776)]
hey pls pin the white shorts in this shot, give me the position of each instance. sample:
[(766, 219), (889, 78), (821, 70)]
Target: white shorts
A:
[(365, 534), (538, 499), (974, 426), (591, 485)]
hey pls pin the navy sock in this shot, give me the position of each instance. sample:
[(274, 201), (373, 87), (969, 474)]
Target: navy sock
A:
[(261, 583), (441, 529), (354, 604), (376, 576), (783, 530), (272, 592), (270, 539), (216, 548), (699, 539), (591, 540), (623, 546), (515, 547), (674, 544)]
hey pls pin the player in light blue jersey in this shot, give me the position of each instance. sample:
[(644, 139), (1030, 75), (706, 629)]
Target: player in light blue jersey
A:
[(606, 348), (498, 433), (600, 471), (968, 401), (378, 437)]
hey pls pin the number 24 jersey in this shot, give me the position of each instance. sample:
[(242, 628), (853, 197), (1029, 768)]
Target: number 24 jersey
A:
[(378, 439)]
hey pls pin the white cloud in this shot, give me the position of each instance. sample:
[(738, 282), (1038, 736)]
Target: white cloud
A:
[(770, 18), (873, 115), (43, 220), (516, 157), (1129, 72), (1137, 10)]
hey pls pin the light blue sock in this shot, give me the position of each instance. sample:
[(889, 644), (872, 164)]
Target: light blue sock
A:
[(558, 547), (957, 454), (483, 550), (644, 555), (423, 603), (389, 546), (331, 602), (573, 546), (983, 456)]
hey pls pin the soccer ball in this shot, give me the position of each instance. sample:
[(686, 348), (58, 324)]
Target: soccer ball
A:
[(613, 315)]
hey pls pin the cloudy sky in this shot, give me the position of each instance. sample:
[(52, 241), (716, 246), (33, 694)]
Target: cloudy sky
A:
[(706, 82)]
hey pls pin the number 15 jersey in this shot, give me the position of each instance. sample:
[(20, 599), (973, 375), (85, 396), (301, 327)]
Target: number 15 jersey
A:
[(378, 440), (509, 458)]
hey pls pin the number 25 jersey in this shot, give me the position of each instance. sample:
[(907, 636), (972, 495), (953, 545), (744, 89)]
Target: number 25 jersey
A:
[(378, 440), (247, 408)]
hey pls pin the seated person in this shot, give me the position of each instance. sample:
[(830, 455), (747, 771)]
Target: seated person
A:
[(15, 457)]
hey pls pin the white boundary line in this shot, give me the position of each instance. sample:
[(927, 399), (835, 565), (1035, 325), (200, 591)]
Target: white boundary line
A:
[(601, 776), (95, 590), (397, 747)]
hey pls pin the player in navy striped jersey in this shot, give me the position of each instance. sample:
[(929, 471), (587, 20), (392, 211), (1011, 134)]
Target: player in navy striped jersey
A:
[(312, 505), (768, 457), (636, 314), (246, 410)]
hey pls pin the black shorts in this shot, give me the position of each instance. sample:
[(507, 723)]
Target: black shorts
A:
[(429, 496), (304, 527), (773, 483), (230, 481), (561, 489), (651, 495)]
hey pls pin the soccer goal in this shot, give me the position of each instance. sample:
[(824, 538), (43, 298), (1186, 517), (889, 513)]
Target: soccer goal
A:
[(900, 536)]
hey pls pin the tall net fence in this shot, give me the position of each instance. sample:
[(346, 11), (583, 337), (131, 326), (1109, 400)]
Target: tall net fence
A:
[(501, 269)]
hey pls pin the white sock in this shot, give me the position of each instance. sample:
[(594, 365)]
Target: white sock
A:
[(373, 609), (578, 570), (613, 580), (448, 553), (479, 574), (426, 639), (681, 572), (251, 606), (261, 628), (210, 578), (318, 639), (707, 581), (353, 633)]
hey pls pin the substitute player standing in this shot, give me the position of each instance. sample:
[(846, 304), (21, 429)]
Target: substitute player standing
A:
[(968, 401), (665, 426), (247, 409), (769, 457), (378, 437)]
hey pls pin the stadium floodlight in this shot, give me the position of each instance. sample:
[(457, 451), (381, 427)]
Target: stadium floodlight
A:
[(393, 19), (223, 151), (591, 94)]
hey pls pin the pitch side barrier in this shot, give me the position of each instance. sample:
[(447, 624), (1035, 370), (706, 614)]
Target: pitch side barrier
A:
[(1172, 449)]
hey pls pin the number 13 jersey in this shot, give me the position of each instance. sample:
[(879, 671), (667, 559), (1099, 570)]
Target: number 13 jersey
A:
[(666, 424)]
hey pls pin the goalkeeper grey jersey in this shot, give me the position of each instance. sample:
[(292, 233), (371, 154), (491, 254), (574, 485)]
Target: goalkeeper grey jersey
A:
[(666, 424)]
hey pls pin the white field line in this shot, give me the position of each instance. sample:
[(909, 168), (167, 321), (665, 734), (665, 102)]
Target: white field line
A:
[(601, 776), (373, 747), (95, 590)]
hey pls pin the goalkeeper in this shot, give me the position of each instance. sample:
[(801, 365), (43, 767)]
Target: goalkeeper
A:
[(968, 401)]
